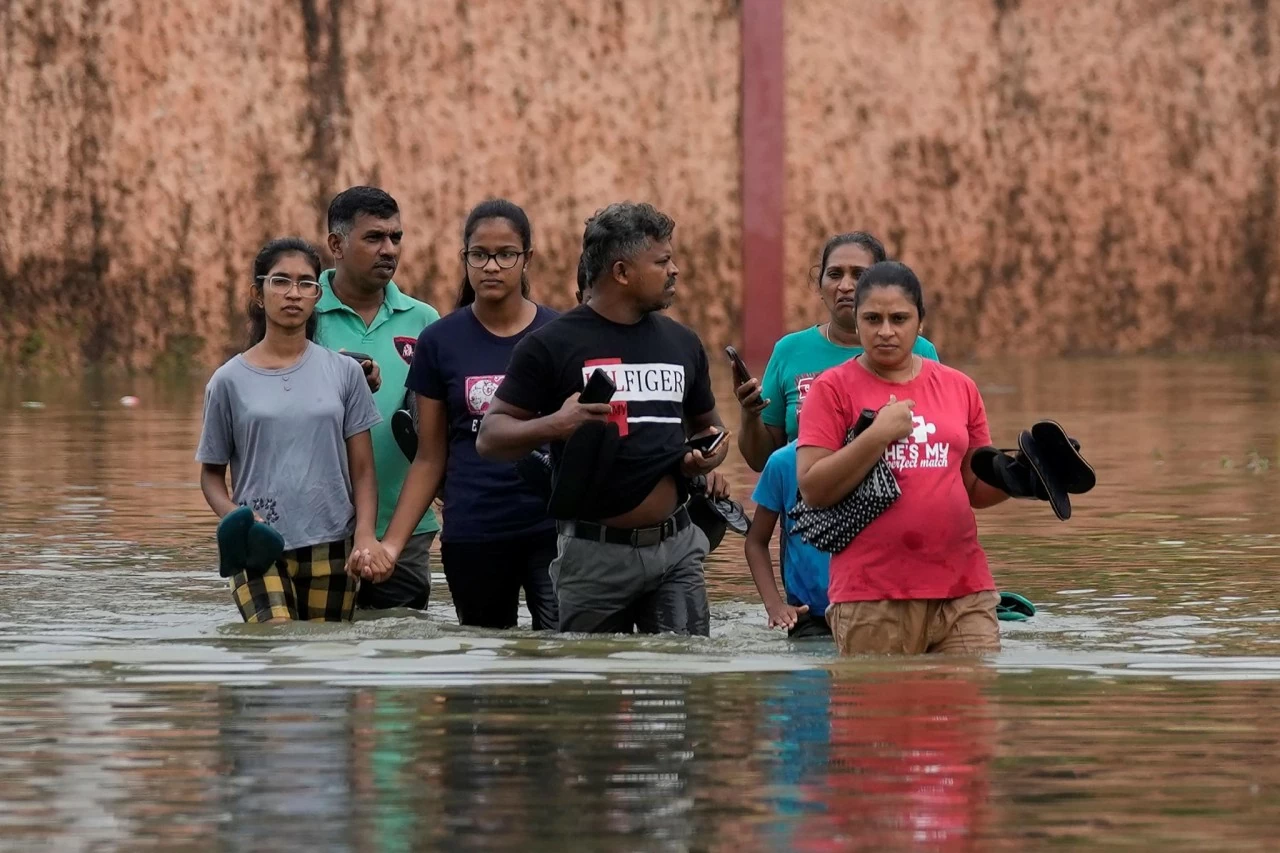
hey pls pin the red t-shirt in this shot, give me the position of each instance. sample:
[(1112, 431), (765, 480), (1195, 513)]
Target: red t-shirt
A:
[(926, 544)]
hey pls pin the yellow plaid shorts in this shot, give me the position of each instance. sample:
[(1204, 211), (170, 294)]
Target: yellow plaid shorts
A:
[(306, 584)]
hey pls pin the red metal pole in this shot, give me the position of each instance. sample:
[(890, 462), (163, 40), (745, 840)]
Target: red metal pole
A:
[(763, 175)]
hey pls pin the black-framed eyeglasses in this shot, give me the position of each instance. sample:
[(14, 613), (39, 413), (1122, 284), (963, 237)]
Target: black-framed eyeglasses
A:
[(479, 258), (282, 284)]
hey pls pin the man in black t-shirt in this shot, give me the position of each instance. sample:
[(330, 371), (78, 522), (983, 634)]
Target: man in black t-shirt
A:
[(630, 558)]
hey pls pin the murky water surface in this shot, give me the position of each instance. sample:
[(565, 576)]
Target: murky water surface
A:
[(1136, 709)]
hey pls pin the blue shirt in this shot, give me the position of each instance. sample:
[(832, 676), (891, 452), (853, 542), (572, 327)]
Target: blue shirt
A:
[(459, 361), (804, 567)]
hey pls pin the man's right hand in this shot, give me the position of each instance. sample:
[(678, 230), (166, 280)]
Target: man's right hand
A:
[(574, 414), (750, 398)]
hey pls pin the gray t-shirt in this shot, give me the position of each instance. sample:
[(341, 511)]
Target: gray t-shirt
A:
[(284, 434)]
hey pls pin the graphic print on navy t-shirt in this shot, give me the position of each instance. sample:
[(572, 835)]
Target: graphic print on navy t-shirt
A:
[(655, 389), (478, 392)]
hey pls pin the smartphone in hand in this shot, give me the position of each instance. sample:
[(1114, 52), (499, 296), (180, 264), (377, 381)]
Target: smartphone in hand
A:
[(707, 444), (741, 375), (599, 388)]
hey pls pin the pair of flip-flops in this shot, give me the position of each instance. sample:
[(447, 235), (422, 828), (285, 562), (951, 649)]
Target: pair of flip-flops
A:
[(1046, 466), (715, 516), (246, 544)]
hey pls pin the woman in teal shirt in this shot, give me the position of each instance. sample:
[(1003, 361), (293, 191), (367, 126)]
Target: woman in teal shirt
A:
[(771, 409)]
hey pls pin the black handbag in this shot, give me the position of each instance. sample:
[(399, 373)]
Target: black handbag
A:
[(832, 528)]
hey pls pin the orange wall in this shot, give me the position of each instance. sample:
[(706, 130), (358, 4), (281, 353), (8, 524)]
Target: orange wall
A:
[(1066, 177)]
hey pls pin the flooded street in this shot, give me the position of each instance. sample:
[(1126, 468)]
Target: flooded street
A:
[(1137, 708)]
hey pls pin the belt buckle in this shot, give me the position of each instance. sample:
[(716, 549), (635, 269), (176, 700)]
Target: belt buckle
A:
[(646, 537)]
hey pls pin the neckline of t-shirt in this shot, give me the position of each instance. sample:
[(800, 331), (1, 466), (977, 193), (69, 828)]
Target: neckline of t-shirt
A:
[(647, 318), (537, 309), (280, 371), (926, 367)]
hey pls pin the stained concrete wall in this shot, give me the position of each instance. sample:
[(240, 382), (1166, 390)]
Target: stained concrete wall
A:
[(1066, 177), (1084, 176), (151, 147)]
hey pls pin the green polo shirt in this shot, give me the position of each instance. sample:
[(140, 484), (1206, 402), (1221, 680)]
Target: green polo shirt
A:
[(390, 340)]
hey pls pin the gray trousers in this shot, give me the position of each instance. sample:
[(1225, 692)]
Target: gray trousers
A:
[(604, 588), (410, 583)]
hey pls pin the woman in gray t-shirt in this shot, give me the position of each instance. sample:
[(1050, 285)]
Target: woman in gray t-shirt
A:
[(292, 420)]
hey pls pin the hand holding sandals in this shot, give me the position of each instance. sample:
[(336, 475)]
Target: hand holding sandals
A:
[(1046, 466)]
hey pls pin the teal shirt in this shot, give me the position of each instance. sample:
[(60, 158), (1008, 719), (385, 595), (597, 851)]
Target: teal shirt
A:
[(389, 339), (796, 361)]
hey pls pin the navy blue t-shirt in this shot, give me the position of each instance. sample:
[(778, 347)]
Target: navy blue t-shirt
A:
[(459, 361)]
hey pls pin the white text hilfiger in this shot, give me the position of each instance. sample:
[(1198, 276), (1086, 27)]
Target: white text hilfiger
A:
[(643, 382)]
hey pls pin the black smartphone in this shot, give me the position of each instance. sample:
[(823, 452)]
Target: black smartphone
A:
[(741, 375), (707, 444), (864, 420), (358, 356), (599, 388)]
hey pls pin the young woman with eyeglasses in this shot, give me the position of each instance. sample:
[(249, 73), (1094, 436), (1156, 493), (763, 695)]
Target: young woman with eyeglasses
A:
[(497, 537), (292, 421)]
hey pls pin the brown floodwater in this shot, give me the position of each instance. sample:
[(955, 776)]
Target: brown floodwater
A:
[(1136, 709)]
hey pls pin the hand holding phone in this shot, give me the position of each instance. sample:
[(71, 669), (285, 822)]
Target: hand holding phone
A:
[(591, 404), (707, 444), (358, 356), (741, 376)]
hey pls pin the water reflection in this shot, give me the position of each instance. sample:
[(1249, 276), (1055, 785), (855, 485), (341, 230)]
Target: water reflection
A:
[(137, 713)]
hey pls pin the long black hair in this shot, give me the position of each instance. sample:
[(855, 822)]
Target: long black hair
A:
[(494, 208), (262, 264)]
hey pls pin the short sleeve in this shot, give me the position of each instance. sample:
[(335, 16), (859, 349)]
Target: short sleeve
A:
[(925, 348), (424, 371), (979, 431), (699, 398), (769, 488), (823, 421), (530, 380), (774, 414), (217, 438), (361, 413)]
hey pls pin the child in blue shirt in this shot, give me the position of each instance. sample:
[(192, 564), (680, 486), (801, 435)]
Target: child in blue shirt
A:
[(804, 567)]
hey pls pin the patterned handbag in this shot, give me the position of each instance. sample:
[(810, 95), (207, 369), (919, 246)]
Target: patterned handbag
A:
[(832, 528)]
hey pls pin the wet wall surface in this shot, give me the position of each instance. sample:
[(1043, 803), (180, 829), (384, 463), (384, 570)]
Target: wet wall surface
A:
[(1066, 178)]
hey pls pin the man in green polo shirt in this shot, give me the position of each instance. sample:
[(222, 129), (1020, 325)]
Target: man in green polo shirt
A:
[(362, 310)]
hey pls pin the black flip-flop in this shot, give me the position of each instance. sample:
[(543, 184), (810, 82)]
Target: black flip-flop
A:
[(1063, 455), (403, 432), (1057, 492), (1009, 473)]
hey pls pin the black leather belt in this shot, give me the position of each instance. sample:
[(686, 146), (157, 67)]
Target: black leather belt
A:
[(639, 537)]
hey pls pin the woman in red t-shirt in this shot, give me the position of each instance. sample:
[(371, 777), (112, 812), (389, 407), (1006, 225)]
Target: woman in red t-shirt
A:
[(915, 579)]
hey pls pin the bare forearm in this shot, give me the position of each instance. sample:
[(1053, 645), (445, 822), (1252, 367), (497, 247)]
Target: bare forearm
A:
[(214, 486), (761, 565), (503, 438), (984, 496), (421, 485), (364, 485), (830, 479), (755, 442)]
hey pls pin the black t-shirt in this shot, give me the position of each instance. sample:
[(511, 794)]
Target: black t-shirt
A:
[(660, 369), (459, 361)]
